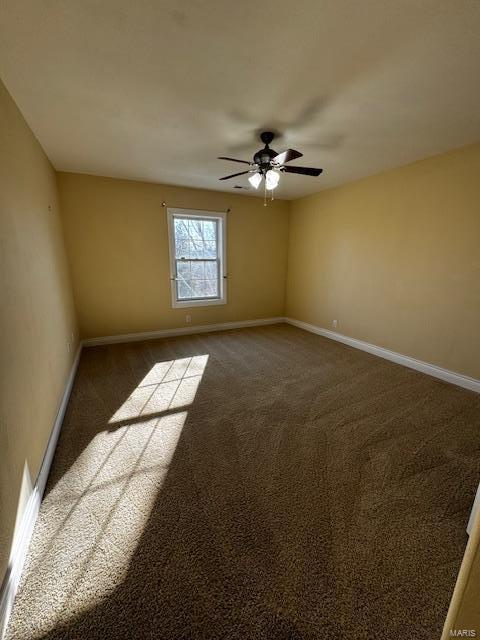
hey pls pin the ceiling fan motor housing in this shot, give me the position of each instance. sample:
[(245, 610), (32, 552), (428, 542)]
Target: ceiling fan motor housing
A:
[(265, 155), (263, 158)]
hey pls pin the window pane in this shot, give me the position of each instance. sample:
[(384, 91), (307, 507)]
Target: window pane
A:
[(211, 270), (199, 288), (181, 229), (198, 270), (195, 229), (184, 290), (210, 249), (182, 248), (209, 230), (211, 287), (184, 270)]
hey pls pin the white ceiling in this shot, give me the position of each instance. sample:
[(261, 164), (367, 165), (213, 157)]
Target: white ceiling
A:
[(157, 89)]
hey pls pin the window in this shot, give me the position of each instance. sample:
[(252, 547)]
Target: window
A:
[(197, 257)]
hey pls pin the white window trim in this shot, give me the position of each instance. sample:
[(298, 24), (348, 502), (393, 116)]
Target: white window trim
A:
[(222, 240)]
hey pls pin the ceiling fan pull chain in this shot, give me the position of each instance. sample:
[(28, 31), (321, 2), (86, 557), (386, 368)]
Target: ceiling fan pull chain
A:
[(264, 193)]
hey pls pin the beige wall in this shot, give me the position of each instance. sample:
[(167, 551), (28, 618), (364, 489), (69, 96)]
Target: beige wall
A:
[(37, 316), (395, 258), (116, 235)]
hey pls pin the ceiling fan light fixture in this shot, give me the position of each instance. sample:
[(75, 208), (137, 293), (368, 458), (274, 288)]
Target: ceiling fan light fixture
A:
[(272, 179), (255, 180)]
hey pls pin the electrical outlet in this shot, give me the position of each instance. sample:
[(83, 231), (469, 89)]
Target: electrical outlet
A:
[(188, 319), (334, 324)]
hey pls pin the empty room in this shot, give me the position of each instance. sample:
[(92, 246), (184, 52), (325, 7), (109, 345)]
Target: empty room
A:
[(240, 320)]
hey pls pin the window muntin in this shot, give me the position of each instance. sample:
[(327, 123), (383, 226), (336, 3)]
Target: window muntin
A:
[(197, 256)]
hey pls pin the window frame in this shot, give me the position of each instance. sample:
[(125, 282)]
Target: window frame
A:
[(220, 217)]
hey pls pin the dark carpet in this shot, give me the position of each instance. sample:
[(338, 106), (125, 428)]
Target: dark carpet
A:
[(262, 483)]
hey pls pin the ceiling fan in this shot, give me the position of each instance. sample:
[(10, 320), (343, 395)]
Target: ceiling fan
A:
[(268, 164)]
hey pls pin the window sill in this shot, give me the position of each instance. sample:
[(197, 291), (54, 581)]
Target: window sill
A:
[(182, 304)]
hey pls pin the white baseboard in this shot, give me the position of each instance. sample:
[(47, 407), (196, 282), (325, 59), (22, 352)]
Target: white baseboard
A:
[(20, 544), (474, 511), (17, 560), (473, 384), (57, 425), (182, 331)]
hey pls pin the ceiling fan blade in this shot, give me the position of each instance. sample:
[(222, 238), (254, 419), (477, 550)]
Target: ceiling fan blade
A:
[(234, 160), (306, 171), (234, 175), (286, 156)]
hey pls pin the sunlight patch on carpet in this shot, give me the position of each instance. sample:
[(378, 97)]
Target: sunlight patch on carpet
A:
[(94, 516)]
